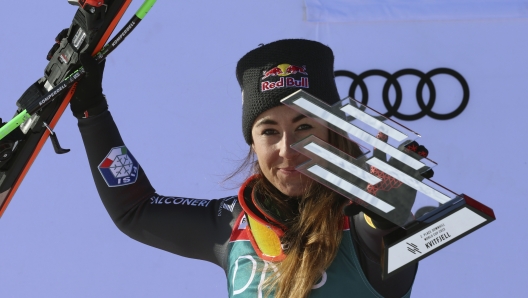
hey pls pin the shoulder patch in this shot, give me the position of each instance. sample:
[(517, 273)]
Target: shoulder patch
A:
[(119, 167)]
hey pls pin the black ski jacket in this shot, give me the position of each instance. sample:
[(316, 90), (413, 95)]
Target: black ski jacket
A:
[(197, 228)]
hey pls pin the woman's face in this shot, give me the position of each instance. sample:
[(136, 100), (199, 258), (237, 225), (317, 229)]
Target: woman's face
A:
[(273, 132)]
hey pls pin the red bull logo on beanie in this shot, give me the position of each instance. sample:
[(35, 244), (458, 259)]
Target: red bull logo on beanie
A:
[(284, 76), (285, 82), (275, 71)]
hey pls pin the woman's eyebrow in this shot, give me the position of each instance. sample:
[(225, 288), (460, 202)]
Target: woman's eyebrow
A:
[(266, 121), (298, 118), (273, 122)]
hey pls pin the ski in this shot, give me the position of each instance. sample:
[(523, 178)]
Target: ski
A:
[(42, 104)]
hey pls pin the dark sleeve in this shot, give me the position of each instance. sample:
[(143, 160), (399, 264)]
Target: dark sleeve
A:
[(368, 243), (188, 227)]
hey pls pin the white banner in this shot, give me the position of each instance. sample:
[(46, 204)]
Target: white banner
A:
[(406, 10)]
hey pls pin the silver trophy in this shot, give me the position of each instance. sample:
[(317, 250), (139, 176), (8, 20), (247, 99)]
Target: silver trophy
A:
[(387, 179)]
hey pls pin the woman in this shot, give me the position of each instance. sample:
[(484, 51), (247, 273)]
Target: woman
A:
[(284, 235)]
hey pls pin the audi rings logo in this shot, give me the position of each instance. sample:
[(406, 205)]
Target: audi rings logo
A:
[(426, 107)]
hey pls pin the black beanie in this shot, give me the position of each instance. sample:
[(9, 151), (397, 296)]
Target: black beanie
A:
[(275, 70)]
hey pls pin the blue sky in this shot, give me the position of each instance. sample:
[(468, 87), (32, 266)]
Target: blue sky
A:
[(172, 90)]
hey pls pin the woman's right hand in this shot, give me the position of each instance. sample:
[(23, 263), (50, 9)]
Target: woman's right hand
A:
[(88, 99)]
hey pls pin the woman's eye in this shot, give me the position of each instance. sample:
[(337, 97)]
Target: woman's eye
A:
[(304, 127), (269, 132)]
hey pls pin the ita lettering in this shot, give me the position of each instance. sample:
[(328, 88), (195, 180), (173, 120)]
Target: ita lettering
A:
[(251, 271)]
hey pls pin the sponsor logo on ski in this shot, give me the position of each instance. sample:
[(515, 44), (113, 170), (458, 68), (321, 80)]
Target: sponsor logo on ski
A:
[(125, 32), (119, 167), (63, 58), (161, 200), (284, 76), (52, 94), (79, 38)]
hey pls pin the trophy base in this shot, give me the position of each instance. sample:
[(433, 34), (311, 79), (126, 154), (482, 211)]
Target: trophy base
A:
[(432, 232)]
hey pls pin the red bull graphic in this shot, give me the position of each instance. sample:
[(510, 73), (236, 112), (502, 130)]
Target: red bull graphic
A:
[(285, 82), (293, 69), (288, 75), (275, 71)]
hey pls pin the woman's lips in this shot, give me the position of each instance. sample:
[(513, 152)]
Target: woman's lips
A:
[(288, 171)]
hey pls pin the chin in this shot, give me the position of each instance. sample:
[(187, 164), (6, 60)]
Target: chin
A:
[(291, 185), (293, 190)]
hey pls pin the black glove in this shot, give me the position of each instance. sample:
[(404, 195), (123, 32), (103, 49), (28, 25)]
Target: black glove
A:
[(422, 151), (88, 99)]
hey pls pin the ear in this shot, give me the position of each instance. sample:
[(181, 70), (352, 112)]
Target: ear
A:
[(253, 147)]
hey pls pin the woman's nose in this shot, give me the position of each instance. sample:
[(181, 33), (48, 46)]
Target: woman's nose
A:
[(286, 151)]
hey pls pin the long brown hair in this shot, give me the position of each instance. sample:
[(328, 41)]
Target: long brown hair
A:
[(314, 229)]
